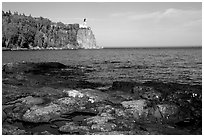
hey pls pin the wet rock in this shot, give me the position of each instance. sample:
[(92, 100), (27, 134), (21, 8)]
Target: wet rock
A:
[(124, 123), (53, 126), (36, 93), (4, 116), (99, 119), (12, 130), (157, 114), (45, 133), (38, 114), (48, 92), (114, 133), (120, 113), (56, 108), (146, 93), (135, 106), (86, 84), (95, 95), (10, 67), (42, 133), (92, 95), (71, 103), (103, 108), (79, 114), (11, 93), (7, 110), (10, 121), (19, 109), (163, 129), (74, 93), (167, 110), (14, 115), (29, 66), (186, 123), (105, 127), (73, 128), (29, 100), (123, 86), (101, 122), (117, 97), (20, 77), (104, 88)]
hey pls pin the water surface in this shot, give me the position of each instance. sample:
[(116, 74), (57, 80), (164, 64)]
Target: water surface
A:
[(183, 65)]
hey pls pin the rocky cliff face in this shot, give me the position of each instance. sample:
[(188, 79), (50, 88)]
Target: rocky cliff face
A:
[(74, 37), (26, 32), (85, 39)]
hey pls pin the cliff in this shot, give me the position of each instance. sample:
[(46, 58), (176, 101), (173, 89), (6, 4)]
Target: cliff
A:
[(26, 32), (85, 39)]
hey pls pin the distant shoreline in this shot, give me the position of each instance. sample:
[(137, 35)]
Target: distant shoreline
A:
[(180, 47), (25, 49)]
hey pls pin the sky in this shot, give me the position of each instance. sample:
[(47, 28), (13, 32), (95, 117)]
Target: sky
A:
[(125, 24)]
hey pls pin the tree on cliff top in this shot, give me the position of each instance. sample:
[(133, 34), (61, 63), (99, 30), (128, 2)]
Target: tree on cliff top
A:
[(20, 31)]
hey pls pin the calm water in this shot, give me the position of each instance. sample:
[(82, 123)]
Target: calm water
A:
[(108, 65)]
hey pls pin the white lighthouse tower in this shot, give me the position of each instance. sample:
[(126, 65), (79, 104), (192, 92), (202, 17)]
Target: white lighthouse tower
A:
[(84, 24)]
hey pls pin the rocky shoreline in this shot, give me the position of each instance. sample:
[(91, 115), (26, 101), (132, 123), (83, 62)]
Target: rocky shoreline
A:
[(52, 98), (44, 49)]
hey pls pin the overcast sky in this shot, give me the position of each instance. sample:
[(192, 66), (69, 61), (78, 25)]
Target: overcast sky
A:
[(128, 24)]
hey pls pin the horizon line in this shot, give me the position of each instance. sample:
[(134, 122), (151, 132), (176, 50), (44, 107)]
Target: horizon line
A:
[(155, 47)]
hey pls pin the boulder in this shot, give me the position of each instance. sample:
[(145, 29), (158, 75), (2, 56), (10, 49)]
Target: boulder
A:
[(20, 77), (76, 100), (114, 133), (105, 127), (103, 108), (4, 116), (146, 93), (91, 94), (123, 86), (38, 114), (135, 106), (120, 113), (117, 97), (31, 67), (73, 93), (157, 114), (12, 130), (95, 95), (99, 119), (73, 128), (167, 110), (48, 92), (45, 133), (29, 100), (21, 106), (101, 123)]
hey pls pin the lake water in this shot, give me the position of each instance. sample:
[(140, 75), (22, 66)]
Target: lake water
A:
[(182, 65)]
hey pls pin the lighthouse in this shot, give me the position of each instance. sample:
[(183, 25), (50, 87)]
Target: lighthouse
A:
[(84, 24)]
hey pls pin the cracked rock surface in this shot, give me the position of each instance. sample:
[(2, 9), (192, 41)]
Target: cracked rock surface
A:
[(51, 98)]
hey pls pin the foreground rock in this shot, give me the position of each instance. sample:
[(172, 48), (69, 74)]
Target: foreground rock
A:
[(12, 130), (60, 103), (73, 128)]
